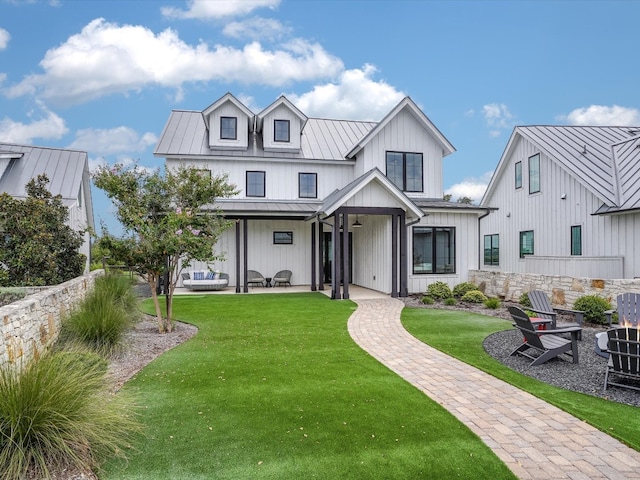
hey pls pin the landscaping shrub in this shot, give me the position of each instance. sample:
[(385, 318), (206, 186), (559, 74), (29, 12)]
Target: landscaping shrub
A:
[(428, 300), (11, 294), (439, 290), (56, 412), (524, 300), (462, 288), (593, 307), (492, 303), (450, 301), (474, 296)]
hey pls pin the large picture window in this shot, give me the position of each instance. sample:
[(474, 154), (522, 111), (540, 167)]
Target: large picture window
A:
[(405, 170), (492, 249), (228, 128), (255, 184), (576, 240), (518, 175), (307, 185), (534, 173), (434, 250), (281, 131), (526, 243)]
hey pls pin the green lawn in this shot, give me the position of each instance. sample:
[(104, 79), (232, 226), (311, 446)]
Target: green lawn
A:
[(273, 387), (460, 335)]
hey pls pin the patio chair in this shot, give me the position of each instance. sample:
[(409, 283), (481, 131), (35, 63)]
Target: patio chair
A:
[(541, 305), (546, 342), (628, 308), (282, 277), (624, 357), (254, 278)]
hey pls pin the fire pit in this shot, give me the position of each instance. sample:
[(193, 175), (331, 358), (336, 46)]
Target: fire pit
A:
[(624, 357)]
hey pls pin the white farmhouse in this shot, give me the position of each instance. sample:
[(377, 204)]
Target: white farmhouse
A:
[(68, 174), (568, 203), (330, 199)]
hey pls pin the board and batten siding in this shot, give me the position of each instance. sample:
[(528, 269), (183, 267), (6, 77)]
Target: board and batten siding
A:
[(404, 134), (466, 226), (551, 217), (372, 253), (242, 127), (295, 126)]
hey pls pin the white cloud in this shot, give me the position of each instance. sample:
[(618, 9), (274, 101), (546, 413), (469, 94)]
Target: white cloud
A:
[(110, 141), (603, 115), (82, 68), (473, 188), (4, 38), (498, 118), (256, 28), (355, 96), (205, 9), (44, 124)]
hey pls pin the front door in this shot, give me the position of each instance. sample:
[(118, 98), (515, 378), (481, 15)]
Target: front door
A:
[(327, 257)]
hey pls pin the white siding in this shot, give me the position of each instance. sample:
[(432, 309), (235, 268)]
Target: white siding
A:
[(372, 253), (295, 125), (242, 138)]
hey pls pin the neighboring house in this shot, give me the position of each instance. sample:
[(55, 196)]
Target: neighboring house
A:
[(304, 182), (568, 201), (68, 174)]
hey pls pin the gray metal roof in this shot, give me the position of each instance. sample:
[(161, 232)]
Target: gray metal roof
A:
[(64, 168), (606, 160), (273, 208), (185, 135)]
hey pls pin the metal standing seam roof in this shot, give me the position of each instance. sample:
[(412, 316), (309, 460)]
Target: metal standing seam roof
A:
[(64, 168), (606, 160), (185, 135)]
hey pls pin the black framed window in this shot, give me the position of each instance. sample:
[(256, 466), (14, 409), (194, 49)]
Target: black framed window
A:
[(434, 250), (518, 174), (526, 243), (308, 185), (255, 184), (281, 130), (228, 128), (534, 173), (576, 240), (492, 249), (282, 238), (405, 170)]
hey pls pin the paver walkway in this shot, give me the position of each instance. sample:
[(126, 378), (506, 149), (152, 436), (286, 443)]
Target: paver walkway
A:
[(550, 444)]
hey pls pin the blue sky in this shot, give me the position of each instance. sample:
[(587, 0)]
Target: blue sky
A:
[(103, 76)]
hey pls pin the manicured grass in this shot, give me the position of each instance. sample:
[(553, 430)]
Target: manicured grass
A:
[(273, 387), (460, 335)]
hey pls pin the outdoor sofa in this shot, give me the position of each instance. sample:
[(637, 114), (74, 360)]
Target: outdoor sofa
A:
[(205, 280)]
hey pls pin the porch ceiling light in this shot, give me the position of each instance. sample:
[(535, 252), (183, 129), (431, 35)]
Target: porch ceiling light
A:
[(357, 223)]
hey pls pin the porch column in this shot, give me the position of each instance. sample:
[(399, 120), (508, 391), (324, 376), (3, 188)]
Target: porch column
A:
[(246, 243), (314, 263), (404, 256), (238, 256), (345, 255), (321, 255), (335, 259), (394, 255)]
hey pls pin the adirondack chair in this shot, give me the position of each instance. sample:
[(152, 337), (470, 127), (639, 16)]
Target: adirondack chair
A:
[(541, 305), (624, 357), (628, 308), (546, 342)]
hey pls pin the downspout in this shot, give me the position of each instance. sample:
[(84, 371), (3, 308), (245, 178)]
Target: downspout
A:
[(489, 210)]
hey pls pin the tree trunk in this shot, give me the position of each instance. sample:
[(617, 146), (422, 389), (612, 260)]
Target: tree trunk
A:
[(152, 281)]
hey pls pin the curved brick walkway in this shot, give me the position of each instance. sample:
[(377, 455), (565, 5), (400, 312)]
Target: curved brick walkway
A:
[(551, 444)]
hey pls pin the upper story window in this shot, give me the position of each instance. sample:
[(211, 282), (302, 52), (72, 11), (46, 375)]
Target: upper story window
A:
[(534, 173), (281, 131), (576, 240), (405, 170), (229, 128), (434, 250), (308, 185), (526, 243), (518, 172), (255, 184), (492, 249)]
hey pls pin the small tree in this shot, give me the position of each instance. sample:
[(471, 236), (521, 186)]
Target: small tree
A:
[(465, 200), (168, 219), (37, 247)]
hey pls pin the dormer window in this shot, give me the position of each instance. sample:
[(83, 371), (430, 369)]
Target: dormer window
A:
[(229, 128), (281, 131)]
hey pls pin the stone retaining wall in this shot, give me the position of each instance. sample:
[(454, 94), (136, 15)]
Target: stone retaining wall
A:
[(30, 325), (562, 290)]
